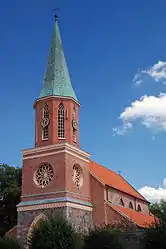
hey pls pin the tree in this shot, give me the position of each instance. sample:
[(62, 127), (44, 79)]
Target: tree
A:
[(54, 232), (159, 210), (10, 191), (9, 243), (155, 236), (102, 238)]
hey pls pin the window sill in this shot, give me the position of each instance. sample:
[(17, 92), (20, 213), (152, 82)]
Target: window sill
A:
[(61, 138)]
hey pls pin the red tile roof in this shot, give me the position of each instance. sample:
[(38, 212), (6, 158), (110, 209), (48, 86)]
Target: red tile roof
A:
[(142, 220), (112, 179), (12, 232)]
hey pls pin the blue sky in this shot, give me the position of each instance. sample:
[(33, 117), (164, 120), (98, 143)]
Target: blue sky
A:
[(106, 44)]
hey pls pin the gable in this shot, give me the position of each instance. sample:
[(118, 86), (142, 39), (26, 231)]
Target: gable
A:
[(114, 180)]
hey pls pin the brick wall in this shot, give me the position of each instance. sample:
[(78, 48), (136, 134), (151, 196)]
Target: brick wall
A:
[(115, 218), (114, 196), (97, 196), (62, 181), (53, 104)]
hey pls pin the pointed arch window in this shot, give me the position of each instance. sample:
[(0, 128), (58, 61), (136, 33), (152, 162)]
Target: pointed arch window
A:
[(46, 111), (130, 205), (45, 122), (61, 121), (121, 202), (139, 208)]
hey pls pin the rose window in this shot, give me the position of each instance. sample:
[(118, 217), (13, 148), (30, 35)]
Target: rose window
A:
[(44, 175), (77, 176)]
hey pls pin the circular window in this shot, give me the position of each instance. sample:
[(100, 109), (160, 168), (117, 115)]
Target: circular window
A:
[(77, 176), (44, 175)]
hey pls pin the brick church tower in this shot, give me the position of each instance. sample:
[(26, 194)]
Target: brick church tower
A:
[(55, 171)]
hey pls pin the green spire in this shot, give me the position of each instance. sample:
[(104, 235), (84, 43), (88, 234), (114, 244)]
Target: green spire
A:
[(57, 80)]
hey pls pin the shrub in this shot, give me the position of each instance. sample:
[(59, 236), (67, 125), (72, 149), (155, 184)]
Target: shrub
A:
[(102, 238), (155, 238), (9, 243), (54, 232)]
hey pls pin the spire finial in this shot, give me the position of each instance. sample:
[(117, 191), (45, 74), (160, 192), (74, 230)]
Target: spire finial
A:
[(56, 17), (55, 11)]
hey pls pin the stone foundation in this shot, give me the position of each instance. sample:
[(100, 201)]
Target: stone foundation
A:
[(81, 220)]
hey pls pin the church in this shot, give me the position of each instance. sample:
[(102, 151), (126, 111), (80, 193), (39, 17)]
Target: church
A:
[(59, 175)]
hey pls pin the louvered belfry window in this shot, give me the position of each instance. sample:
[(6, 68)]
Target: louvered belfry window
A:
[(61, 121), (45, 128)]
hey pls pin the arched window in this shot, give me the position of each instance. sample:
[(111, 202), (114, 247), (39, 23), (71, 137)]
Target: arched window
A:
[(139, 208), (121, 202), (45, 122), (61, 121), (74, 119), (130, 205), (46, 111)]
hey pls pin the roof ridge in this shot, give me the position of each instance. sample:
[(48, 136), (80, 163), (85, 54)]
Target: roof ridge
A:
[(137, 191), (139, 196), (104, 167)]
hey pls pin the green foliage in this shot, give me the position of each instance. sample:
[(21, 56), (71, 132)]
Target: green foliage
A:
[(9, 243), (159, 210), (54, 232), (102, 238), (10, 191), (155, 237)]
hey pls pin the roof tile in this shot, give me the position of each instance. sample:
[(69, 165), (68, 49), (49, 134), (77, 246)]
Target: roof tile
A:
[(112, 179), (142, 220)]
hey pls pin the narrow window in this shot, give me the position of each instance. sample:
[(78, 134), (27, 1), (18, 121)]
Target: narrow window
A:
[(130, 205), (45, 122), (139, 208), (121, 202), (74, 120), (61, 121), (45, 133), (46, 111)]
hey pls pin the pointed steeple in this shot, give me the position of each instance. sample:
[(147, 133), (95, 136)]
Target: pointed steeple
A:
[(57, 80)]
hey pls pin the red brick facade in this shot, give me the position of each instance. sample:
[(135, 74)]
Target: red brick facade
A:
[(108, 208), (62, 159), (86, 192), (98, 198), (62, 154), (53, 104)]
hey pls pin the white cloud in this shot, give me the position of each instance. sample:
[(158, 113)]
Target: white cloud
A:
[(137, 79), (157, 72), (154, 194), (121, 130), (149, 110)]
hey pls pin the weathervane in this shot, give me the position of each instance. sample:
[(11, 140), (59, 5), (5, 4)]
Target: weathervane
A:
[(55, 10)]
